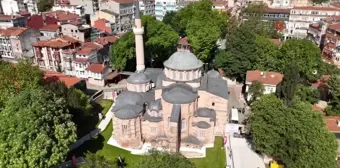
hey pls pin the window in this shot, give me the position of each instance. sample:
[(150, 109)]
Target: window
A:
[(337, 59), (153, 129), (201, 133), (124, 129), (213, 104), (183, 125)]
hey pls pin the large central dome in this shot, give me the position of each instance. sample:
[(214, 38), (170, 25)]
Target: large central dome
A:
[(183, 60)]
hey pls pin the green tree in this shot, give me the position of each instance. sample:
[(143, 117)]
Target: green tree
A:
[(241, 52), (164, 159), (17, 78), (98, 161), (36, 130), (305, 54), (297, 136), (288, 87), (268, 55), (319, 1), (160, 42), (169, 18), (256, 90), (45, 5), (334, 104), (308, 94)]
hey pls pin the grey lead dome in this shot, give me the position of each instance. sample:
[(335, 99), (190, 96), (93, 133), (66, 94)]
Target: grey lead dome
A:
[(138, 78), (183, 60)]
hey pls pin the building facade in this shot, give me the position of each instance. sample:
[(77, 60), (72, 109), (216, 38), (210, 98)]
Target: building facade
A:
[(7, 21), (90, 6), (164, 6), (16, 43), (147, 7), (301, 17), (76, 30), (76, 9)]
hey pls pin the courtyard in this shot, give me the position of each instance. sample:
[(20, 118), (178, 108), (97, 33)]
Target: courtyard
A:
[(215, 156)]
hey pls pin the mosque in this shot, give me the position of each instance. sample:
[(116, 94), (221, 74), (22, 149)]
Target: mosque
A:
[(175, 108)]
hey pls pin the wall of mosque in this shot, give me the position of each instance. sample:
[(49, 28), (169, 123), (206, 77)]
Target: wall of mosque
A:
[(219, 104), (205, 135), (128, 132), (182, 75)]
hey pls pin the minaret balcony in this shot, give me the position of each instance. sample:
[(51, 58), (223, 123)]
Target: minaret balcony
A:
[(138, 31)]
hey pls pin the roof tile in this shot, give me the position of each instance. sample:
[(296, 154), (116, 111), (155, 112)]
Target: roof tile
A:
[(269, 78)]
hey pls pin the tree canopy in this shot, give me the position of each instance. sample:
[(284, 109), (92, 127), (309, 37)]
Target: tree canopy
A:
[(160, 42), (297, 136), (256, 90), (164, 159), (98, 161), (334, 104), (36, 130), (45, 5)]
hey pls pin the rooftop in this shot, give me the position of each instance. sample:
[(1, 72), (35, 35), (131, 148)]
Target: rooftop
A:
[(183, 60), (96, 68), (332, 124), (59, 42), (89, 47), (268, 78), (50, 27), (322, 82), (13, 31), (62, 15), (316, 8), (10, 17), (69, 81), (276, 10)]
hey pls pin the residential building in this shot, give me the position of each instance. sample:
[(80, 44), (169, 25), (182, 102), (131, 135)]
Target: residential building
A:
[(220, 5), (50, 31), (317, 31), (164, 6), (7, 21), (69, 81), (63, 17), (125, 9), (174, 108), (105, 26), (16, 43), (110, 16), (38, 21), (77, 30), (333, 126), (269, 80), (76, 9), (147, 7), (331, 49), (12, 7), (90, 6), (273, 15), (301, 17), (106, 20), (50, 54)]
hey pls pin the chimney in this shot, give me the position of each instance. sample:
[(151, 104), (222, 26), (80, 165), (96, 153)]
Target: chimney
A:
[(338, 123), (138, 30), (262, 73)]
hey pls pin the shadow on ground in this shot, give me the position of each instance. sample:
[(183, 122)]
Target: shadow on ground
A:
[(92, 146)]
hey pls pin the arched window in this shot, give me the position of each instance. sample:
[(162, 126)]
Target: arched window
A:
[(183, 126)]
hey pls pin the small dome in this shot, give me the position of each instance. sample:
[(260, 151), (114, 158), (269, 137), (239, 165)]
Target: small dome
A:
[(179, 94), (128, 112), (213, 74), (155, 105), (128, 97), (183, 60), (203, 125), (138, 78)]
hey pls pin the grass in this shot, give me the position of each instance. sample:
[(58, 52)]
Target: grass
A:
[(105, 104), (215, 157)]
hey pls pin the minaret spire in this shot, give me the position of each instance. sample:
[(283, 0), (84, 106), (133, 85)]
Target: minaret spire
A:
[(138, 30)]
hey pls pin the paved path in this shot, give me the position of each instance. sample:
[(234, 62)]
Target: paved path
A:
[(100, 128)]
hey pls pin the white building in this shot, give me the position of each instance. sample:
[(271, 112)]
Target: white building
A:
[(11, 7), (269, 80), (76, 9), (164, 6), (301, 17)]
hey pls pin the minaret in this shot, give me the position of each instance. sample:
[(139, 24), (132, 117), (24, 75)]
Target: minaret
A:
[(139, 31)]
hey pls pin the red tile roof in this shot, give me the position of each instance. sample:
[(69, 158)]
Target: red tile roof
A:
[(331, 123), (13, 31), (69, 81), (183, 41), (322, 82), (319, 109), (276, 10), (37, 22), (334, 26), (89, 47), (10, 17), (269, 78), (276, 41), (59, 42), (316, 8), (96, 68), (81, 60), (62, 15), (100, 24), (50, 27)]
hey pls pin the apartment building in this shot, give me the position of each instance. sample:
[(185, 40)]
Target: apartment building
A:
[(90, 6), (77, 30), (16, 43), (164, 6), (50, 54), (11, 7), (62, 17), (125, 9), (317, 31), (107, 21), (331, 49), (76, 9), (50, 31), (147, 7), (301, 17), (7, 21)]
